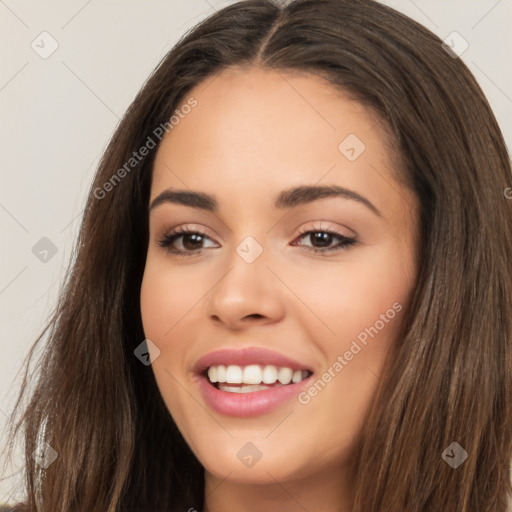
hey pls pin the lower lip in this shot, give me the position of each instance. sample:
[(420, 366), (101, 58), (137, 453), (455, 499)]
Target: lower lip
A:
[(248, 404)]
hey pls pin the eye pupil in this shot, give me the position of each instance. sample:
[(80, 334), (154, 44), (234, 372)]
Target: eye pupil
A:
[(195, 240), (325, 239)]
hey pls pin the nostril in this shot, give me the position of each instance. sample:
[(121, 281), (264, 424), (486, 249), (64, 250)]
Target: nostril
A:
[(254, 315)]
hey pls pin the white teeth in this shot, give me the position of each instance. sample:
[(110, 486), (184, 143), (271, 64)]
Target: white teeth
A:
[(221, 373), (297, 376), (212, 373), (284, 376), (254, 375), (242, 389), (269, 374), (234, 374)]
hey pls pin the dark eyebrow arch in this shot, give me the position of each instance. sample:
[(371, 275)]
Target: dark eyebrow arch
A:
[(286, 199), (306, 194), (186, 198)]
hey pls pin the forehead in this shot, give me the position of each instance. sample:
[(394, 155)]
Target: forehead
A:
[(254, 132)]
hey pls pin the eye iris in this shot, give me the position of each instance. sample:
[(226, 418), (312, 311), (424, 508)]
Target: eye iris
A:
[(324, 239), (195, 240)]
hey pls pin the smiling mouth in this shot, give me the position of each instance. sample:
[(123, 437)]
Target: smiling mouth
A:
[(252, 378)]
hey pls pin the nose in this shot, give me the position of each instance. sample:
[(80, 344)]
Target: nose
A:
[(248, 294)]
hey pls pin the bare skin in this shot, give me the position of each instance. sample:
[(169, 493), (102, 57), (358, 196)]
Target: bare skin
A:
[(253, 134)]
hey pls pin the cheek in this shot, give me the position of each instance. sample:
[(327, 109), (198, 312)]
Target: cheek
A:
[(157, 305), (351, 295), (361, 304), (166, 297), (165, 301)]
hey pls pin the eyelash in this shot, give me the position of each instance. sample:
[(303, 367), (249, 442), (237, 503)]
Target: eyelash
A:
[(167, 241)]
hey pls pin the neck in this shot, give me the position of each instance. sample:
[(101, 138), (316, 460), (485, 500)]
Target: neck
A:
[(328, 492)]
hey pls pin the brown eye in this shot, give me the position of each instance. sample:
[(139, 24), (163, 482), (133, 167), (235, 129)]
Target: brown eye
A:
[(192, 241), (183, 242), (321, 240)]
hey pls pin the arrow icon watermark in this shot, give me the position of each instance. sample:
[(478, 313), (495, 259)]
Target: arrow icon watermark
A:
[(147, 352)]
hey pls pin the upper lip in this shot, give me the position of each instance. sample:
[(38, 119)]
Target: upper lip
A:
[(247, 356)]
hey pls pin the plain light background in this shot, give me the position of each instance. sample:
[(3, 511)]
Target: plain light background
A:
[(58, 113)]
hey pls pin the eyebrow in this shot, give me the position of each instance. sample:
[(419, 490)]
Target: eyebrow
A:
[(286, 199)]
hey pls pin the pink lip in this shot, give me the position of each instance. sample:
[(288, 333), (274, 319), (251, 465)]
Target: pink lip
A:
[(246, 356), (247, 404), (244, 405)]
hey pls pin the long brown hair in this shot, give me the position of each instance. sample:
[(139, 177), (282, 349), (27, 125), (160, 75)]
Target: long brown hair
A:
[(449, 377)]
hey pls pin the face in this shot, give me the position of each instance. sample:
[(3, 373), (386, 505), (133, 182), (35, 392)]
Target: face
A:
[(295, 261)]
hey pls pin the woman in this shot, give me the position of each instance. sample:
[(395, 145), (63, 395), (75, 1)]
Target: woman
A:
[(292, 287)]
